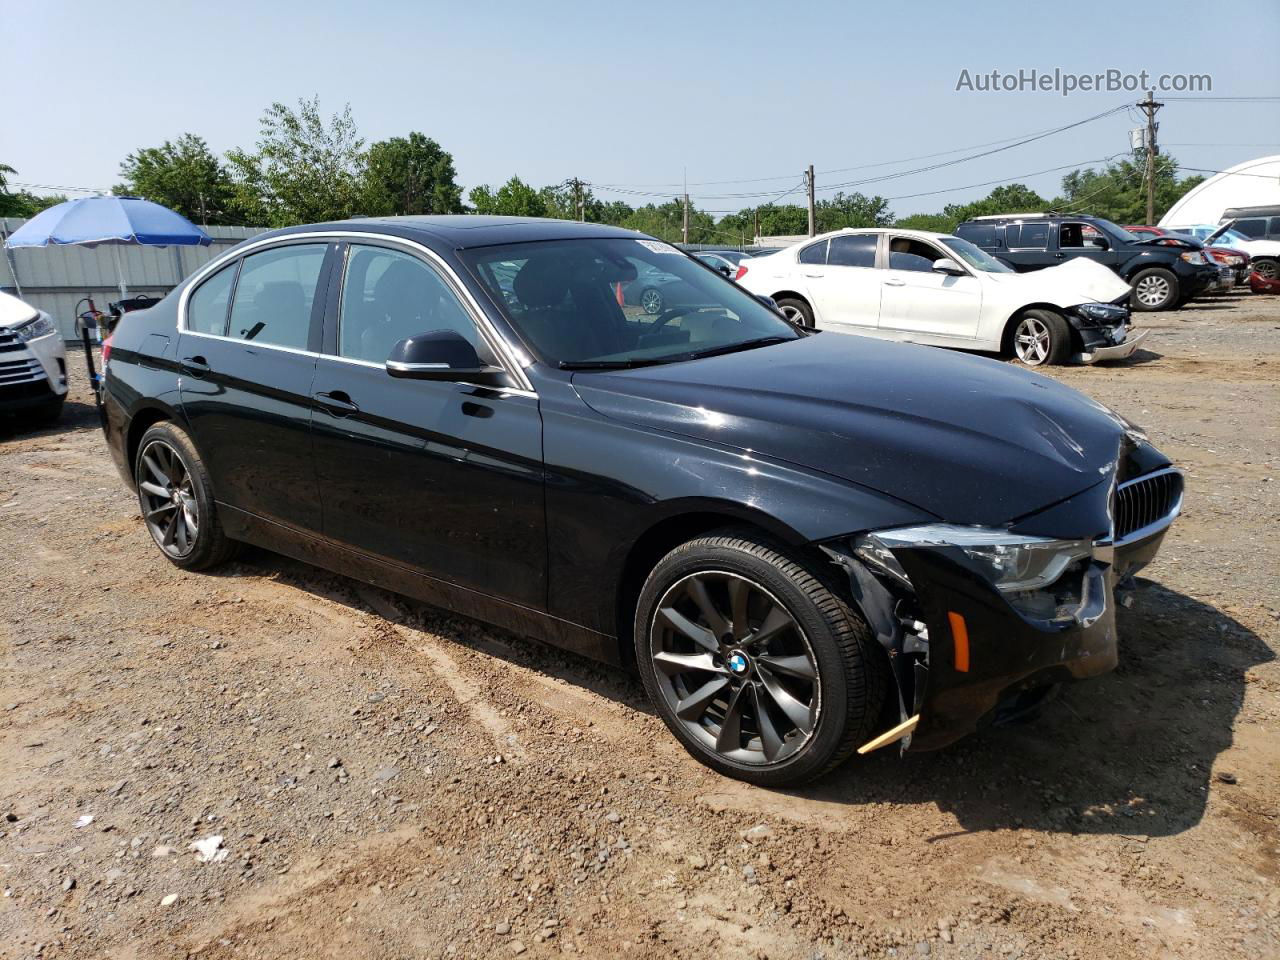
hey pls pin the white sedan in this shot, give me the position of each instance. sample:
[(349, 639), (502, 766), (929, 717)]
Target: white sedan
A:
[(33, 362), (938, 289)]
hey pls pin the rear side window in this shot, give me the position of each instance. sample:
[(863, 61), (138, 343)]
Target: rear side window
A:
[(388, 296), (1027, 236), (274, 295), (207, 306), (1274, 229), (814, 253), (979, 234), (857, 251), (1254, 229)]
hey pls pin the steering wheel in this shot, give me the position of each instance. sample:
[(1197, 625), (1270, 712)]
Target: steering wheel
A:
[(668, 315)]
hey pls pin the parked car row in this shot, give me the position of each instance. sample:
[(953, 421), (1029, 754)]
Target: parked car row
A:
[(1163, 272), (943, 290), (806, 544)]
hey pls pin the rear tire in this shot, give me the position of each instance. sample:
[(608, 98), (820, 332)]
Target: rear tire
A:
[(1040, 338), (175, 496), (1155, 288), (797, 311), (757, 666)]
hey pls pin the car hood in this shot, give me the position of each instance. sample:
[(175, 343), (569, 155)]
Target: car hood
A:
[(1079, 280), (14, 311), (967, 439)]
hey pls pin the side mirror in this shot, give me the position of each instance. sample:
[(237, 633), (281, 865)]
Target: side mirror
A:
[(725, 270), (948, 266), (769, 302), (1098, 242), (443, 355)]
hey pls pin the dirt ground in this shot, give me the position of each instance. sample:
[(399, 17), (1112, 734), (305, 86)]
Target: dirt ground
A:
[(371, 778)]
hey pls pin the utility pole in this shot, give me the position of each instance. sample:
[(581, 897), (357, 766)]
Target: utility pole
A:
[(757, 213), (808, 177), (579, 199), (1149, 107), (686, 218)]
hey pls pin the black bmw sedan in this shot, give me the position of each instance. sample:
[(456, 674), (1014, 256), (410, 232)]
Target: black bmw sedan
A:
[(806, 544)]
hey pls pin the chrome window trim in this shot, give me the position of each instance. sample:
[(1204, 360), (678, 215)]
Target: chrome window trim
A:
[(507, 355)]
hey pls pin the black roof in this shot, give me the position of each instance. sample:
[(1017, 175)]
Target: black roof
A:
[(460, 231)]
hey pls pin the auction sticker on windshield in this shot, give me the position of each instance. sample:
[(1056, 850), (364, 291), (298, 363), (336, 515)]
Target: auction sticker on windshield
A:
[(658, 247)]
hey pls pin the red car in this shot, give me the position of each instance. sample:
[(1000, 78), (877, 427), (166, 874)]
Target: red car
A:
[(1237, 260), (1260, 284)]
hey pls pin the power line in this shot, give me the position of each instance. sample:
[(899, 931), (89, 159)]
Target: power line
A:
[(1015, 141)]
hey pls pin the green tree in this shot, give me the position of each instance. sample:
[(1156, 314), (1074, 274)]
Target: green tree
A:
[(410, 175), (515, 198), (303, 170), (183, 175), (666, 222), (852, 210), (23, 203), (935, 222), (1118, 191)]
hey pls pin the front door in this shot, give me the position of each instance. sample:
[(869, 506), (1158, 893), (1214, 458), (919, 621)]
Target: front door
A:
[(442, 478), (916, 299), (247, 358), (1084, 240)]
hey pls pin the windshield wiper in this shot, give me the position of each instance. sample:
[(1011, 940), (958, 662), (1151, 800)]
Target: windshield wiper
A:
[(736, 347), (609, 364)]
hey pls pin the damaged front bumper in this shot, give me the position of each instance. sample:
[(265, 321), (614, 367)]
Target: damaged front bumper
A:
[(1104, 332), (964, 654)]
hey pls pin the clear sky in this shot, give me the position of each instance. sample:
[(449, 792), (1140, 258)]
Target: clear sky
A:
[(639, 95)]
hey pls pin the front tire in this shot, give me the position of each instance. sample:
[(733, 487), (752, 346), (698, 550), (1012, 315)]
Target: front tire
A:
[(47, 413), (797, 311), (758, 667), (1040, 338), (1155, 289), (175, 496), (1267, 269)]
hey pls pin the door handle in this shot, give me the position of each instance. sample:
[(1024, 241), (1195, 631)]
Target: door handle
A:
[(196, 366), (1059, 256), (895, 283), (337, 403), (815, 276)]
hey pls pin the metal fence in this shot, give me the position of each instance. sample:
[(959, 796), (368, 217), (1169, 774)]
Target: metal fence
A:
[(55, 278)]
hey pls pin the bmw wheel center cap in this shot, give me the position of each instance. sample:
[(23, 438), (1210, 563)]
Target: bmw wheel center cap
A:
[(738, 663)]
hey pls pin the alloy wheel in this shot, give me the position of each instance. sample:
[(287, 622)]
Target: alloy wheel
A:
[(1267, 269), (735, 668), (794, 314), (1031, 341), (651, 301), (1152, 291), (169, 505)]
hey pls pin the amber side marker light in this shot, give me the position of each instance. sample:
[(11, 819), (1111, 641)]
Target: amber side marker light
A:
[(960, 640)]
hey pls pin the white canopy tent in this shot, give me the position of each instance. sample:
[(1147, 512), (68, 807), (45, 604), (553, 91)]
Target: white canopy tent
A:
[(1254, 183)]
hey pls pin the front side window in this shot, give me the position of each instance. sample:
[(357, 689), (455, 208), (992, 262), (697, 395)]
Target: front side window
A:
[(388, 296), (1254, 229), (274, 295), (815, 253), (619, 302), (207, 306), (856, 251), (906, 253)]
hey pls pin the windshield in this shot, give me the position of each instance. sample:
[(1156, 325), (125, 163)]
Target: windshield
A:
[(620, 302), (1120, 233), (975, 256)]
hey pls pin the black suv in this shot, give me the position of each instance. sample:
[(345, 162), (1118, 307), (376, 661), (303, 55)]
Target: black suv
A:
[(1165, 272)]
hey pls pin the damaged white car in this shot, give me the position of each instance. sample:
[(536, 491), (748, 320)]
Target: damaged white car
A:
[(33, 362), (938, 289)]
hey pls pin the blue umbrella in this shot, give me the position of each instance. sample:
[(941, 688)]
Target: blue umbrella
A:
[(90, 221)]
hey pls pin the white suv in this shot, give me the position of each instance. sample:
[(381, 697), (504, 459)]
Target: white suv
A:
[(33, 362), (941, 290)]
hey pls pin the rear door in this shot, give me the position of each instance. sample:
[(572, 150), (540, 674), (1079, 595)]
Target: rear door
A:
[(1027, 245), (442, 478), (247, 353), (919, 300), (850, 290)]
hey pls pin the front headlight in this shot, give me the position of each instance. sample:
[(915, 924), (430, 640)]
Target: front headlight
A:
[(38, 326), (1193, 256), (1012, 563), (1105, 313)]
